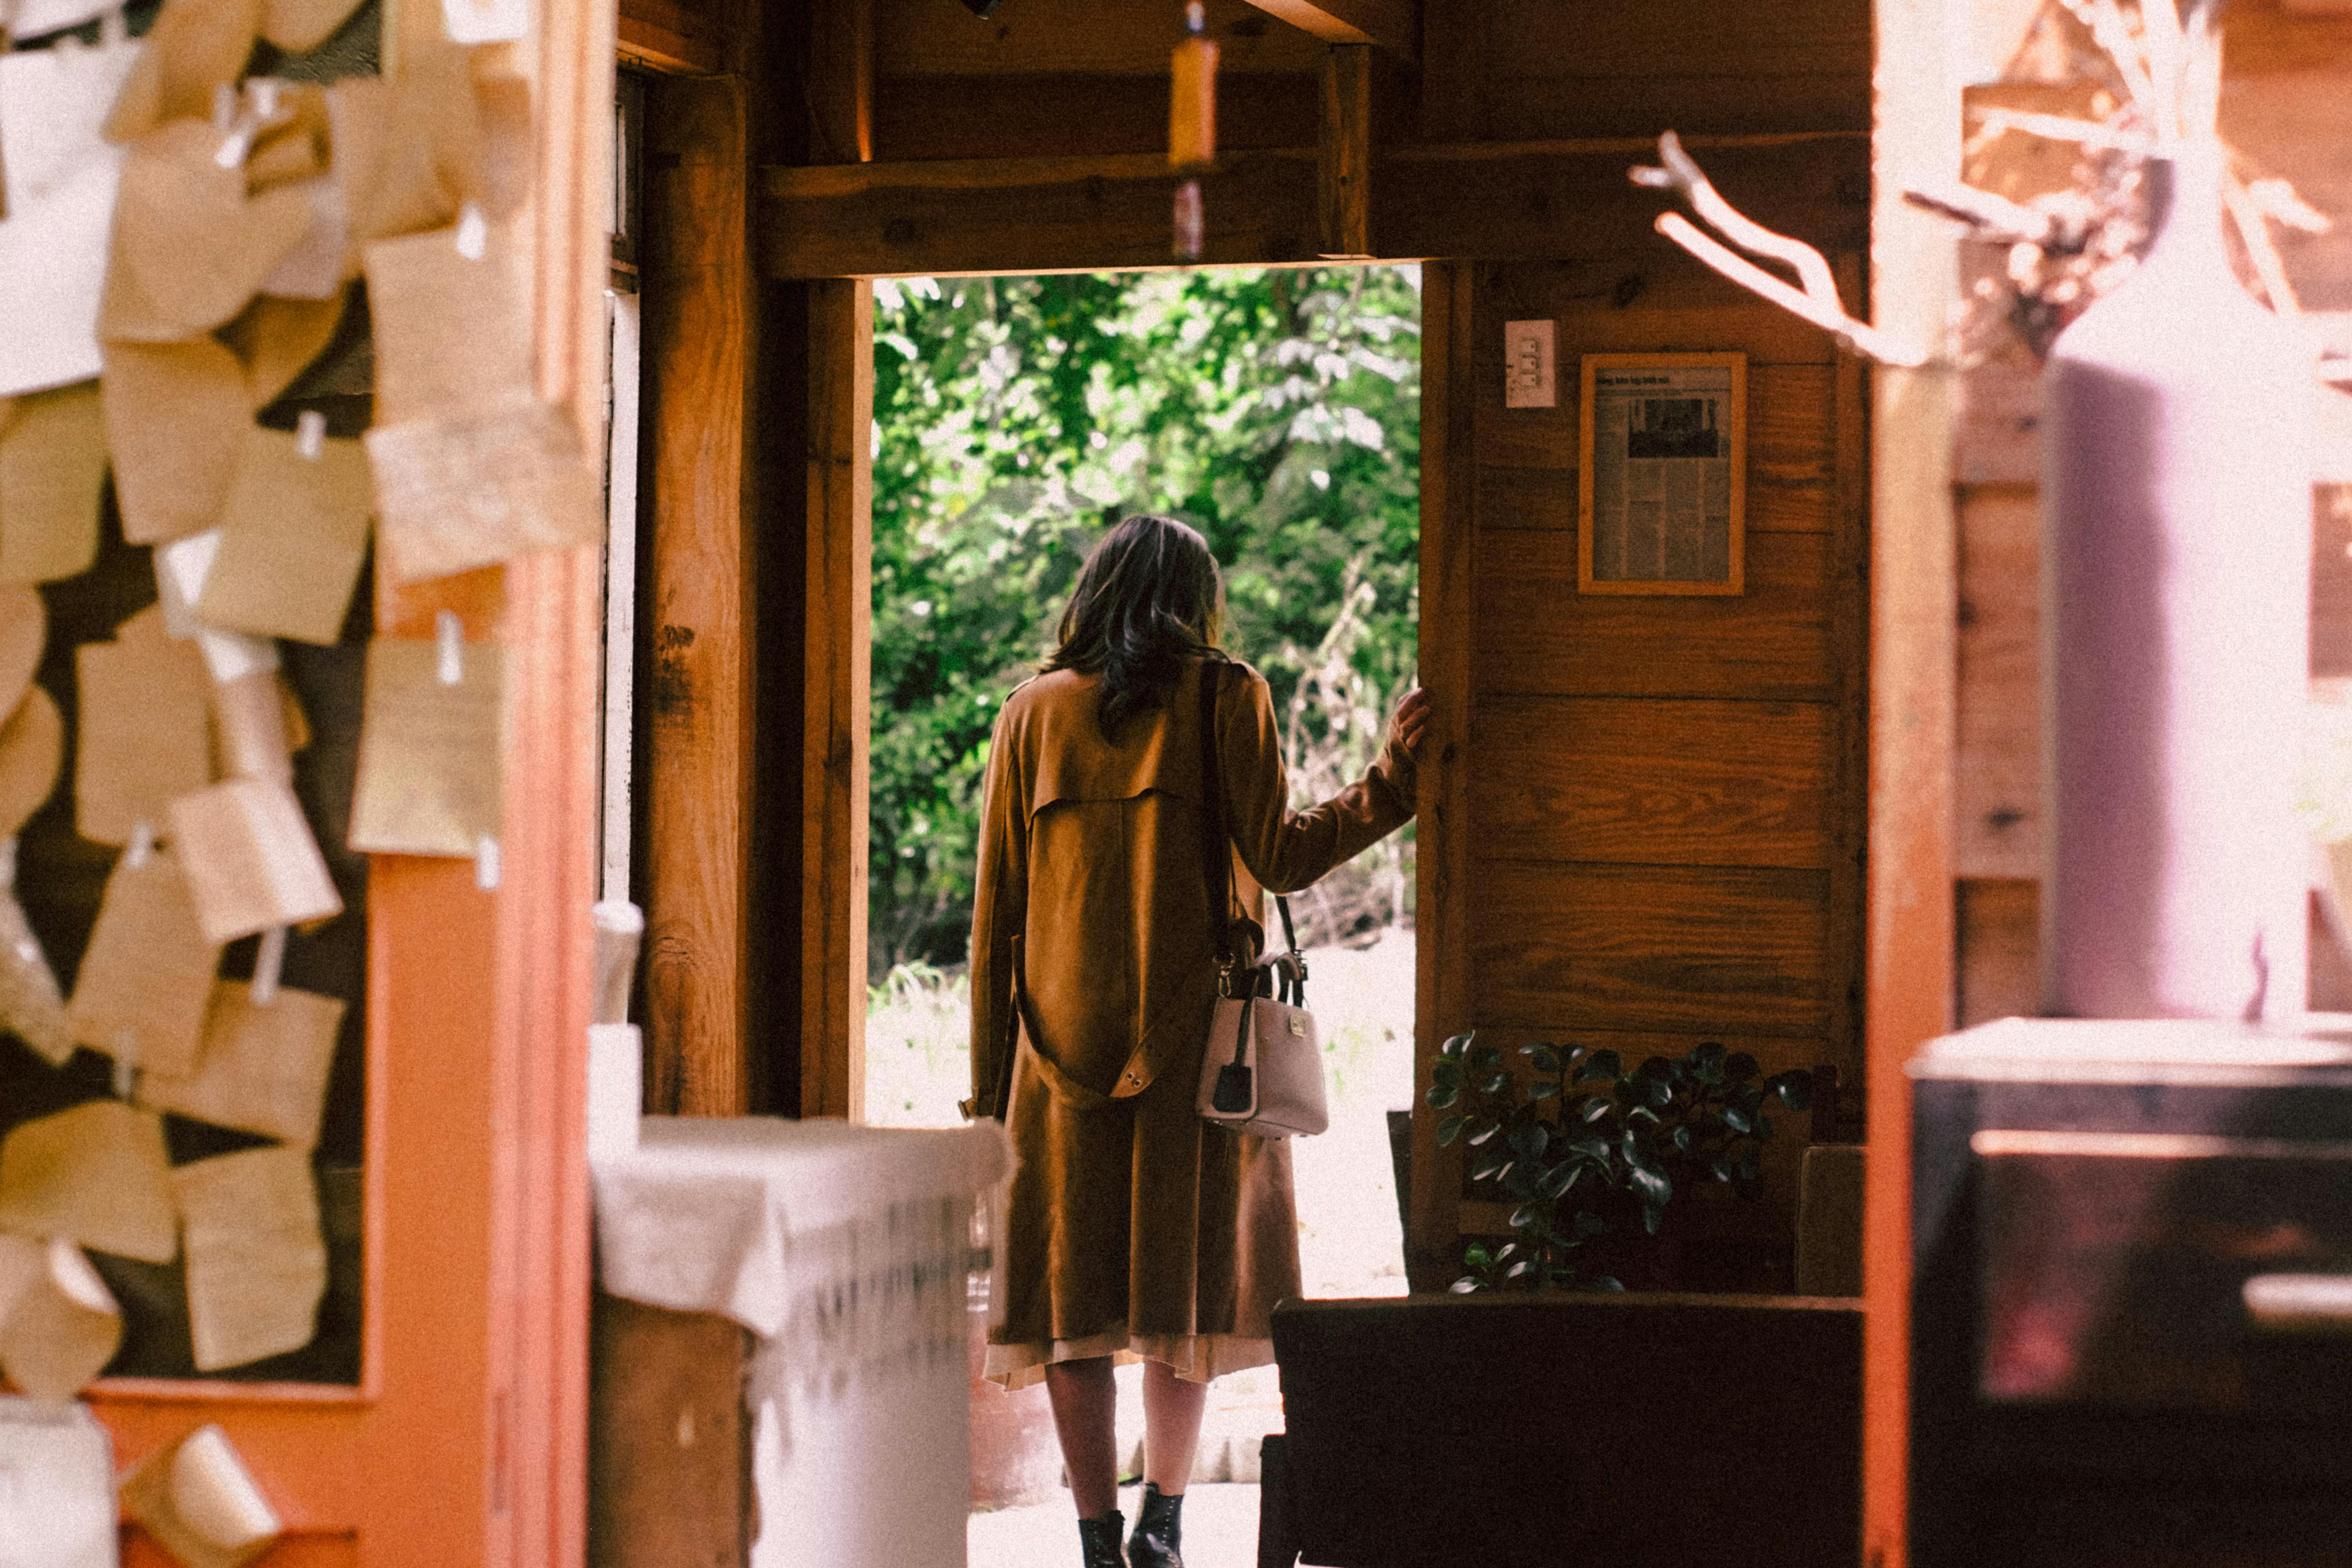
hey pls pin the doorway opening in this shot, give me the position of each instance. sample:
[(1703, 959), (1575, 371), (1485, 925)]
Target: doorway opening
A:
[(1015, 418)]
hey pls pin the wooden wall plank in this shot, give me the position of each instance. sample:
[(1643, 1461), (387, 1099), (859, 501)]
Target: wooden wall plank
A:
[(1343, 169), (671, 1449), (1091, 37), (841, 81), (1999, 961), (1997, 828), (1645, 947), (1445, 878), (665, 35), (1046, 114), (1701, 104), (700, 698), (1667, 37), (1537, 636), (837, 717), (1639, 781), (1850, 643)]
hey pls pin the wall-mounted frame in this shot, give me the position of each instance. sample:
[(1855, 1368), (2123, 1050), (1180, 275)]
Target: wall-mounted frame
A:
[(1662, 474)]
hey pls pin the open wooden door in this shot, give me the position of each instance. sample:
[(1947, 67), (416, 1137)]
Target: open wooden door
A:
[(463, 1440)]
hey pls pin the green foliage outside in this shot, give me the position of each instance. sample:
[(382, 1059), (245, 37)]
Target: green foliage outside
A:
[(1015, 418)]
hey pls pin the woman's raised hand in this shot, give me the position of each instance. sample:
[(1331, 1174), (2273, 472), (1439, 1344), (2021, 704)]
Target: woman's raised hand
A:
[(1408, 731)]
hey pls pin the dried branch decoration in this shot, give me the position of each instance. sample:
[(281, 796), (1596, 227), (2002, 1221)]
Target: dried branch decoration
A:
[(2160, 79)]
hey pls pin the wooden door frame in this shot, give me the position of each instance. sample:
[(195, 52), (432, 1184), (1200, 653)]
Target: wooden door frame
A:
[(465, 1442)]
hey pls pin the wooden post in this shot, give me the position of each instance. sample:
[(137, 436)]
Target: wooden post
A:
[(1343, 166), (1443, 854), (841, 81), (697, 293), (835, 778)]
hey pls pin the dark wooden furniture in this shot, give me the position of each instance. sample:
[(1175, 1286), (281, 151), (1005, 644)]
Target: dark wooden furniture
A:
[(2093, 1382), (1512, 1431)]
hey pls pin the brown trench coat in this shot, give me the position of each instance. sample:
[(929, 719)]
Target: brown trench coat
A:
[(1131, 1223)]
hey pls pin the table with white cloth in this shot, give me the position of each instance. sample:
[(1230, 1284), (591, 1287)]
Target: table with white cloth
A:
[(846, 1252)]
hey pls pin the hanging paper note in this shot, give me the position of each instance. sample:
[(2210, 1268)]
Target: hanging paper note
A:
[(143, 733), (468, 489), (429, 750), (257, 1264), (175, 421), (194, 48), (57, 1505), (291, 136), (181, 569), (60, 181), (486, 21), (39, 18), (299, 26), (250, 719), (147, 978), (313, 270), (52, 467), (24, 630), (31, 1007), (177, 204), (293, 536), (263, 1068), (452, 332), (31, 747), (199, 1501), (276, 340), (251, 861), (409, 151), (63, 1329), (96, 1175), (23, 1260)]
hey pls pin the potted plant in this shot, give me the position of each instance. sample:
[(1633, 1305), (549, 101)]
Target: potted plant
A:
[(1593, 1154)]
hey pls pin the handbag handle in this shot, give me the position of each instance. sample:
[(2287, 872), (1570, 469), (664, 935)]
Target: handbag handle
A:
[(1217, 865)]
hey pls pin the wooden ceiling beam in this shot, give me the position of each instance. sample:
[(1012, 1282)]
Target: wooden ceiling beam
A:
[(1391, 24), (1489, 201)]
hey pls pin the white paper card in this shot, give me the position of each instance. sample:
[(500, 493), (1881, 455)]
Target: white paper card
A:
[(52, 269), (486, 21), (39, 18), (52, 103), (57, 1488)]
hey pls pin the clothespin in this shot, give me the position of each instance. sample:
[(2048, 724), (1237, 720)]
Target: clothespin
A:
[(449, 640), (126, 1061), (311, 435), (267, 964), (142, 845), (241, 129), (473, 232), (486, 863)]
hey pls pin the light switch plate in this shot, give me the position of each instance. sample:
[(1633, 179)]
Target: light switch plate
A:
[(1528, 380)]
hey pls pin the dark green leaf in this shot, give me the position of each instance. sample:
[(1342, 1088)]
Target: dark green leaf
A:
[(1763, 1129), (1486, 1057), (1608, 1282), (1517, 1181), (1543, 1089), (1591, 1145), (1483, 1129), (1546, 1059), (1450, 1128), (1562, 1177), (1588, 1226), (1457, 1045), (1489, 1162), (1600, 1064), (1652, 1187), (1596, 1108), (1528, 1213), (1793, 1089), (1495, 1083), (1658, 1091), (1707, 1054), (1519, 1271), (1739, 1066), (1529, 1140), (1656, 1067), (1445, 1070), (1642, 1116), (1737, 1120), (1478, 1256), (1467, 1283), (1444, 1095)]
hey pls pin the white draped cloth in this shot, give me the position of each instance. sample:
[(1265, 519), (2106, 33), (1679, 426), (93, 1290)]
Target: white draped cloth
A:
[(848, 1251)]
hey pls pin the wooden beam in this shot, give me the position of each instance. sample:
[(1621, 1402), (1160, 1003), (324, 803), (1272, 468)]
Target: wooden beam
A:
[(834, 797), (1535, 201), (663, 36), (698, 330), (1343, 169), (1443, 870), (1390, 24)]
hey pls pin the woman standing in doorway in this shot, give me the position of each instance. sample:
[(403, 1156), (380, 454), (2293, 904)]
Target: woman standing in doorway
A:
[(1133, 1228)]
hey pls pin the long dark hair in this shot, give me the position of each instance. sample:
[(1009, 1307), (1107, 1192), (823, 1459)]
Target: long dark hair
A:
[(1147, 602)]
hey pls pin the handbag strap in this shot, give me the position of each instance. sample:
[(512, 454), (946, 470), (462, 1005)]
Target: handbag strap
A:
[(1216, 850)]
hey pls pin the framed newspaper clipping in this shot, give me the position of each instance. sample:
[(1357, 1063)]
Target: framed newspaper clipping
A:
[(1662, 474)]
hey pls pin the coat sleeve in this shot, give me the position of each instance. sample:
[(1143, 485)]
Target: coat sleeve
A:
[(1000, 909), (1284, 849)]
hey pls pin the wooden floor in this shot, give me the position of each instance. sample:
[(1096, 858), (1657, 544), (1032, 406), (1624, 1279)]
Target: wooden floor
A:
[(1220, 1529)]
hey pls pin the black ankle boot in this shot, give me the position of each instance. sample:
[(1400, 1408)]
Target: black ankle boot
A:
[(1159, 1538), (1100, 1539)]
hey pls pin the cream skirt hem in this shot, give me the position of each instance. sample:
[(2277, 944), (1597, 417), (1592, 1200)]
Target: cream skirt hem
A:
[(1196, 1358)]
